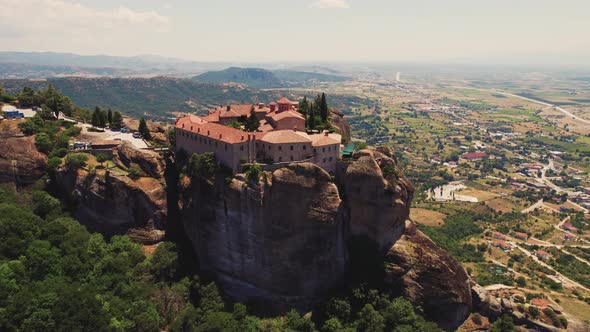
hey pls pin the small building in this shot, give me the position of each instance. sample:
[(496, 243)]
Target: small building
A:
[(521, 236), (541, 254), (502, 245), (540, 303), (498, 236), (473, 156), (568, 236), (569, 227)]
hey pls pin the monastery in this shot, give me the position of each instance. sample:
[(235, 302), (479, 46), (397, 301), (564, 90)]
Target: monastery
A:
[(281, 137)]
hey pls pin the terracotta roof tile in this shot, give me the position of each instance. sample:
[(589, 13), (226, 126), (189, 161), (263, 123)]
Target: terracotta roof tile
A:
[(284, 101), (284, 136)]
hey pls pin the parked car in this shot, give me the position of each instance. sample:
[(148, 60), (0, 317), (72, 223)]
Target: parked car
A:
[(124, 130), (136, 135), (79, 145)]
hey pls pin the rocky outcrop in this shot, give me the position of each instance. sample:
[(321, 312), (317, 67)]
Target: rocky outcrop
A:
[(280, 240), (116, 204), (337, 121), (20, 160), (484, 302), (429, 277), (283, 240), (378, 208), (126, 156)]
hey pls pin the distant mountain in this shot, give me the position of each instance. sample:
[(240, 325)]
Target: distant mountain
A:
[(263, 78), (50, 64), (160, 97), (253, 77)]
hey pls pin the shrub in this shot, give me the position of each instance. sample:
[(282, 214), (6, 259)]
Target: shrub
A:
[(76, 160), (52, 164), (101, 158), (534, 311), (43, 143), (253, 172), (134, 172)]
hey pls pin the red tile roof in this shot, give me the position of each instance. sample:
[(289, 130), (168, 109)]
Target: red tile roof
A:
[(475, 155), (284, 136), (215, 130), (284, 101), (542, 303), (287, 114)]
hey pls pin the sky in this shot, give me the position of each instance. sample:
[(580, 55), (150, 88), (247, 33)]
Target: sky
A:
[(471, 31)]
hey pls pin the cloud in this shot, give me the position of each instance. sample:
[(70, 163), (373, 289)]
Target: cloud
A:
[(49, 14), (330, 4)]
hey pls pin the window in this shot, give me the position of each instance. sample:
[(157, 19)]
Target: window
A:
[(280, 159), (291, 158), (241, 148), (315, 150), (280, 148), (225, 147), (304, 147), (324, 160), (323, 149), (330, 159), (269, 147), (291, 147)]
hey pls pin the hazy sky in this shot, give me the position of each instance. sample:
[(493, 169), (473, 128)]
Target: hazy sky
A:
[(523, 31)]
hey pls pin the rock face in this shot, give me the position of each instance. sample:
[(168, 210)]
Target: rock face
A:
[(280, 240), (117, 204), (149, 162), (427, 275), (20, 160), (377, 207), (337, 120), (284, 239)]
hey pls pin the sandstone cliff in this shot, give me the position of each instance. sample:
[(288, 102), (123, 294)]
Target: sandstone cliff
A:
[(283, 240), (337, 121), (429, 277), (20, 160), (115, 204)]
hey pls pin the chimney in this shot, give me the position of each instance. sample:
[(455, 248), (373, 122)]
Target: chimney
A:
[(273, 106), (325, 133), (242, 137), (198, 130), (260, 106), (220, 135), (208, 132), (228, 108)]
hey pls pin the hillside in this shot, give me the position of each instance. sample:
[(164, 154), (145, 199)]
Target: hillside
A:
[(159, 97), (263, 78)]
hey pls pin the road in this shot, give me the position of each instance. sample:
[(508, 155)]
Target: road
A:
[(565, 280), (567, 113)]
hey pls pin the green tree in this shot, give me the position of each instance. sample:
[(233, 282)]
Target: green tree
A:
[(144, 130), (117, 121), (110, 117), (311, 120), (304, 107), (165, 261), (101, 158), (521, 281), (370, 320), (323, 106), (253, 172), (95, 122), (27, 97), (503, 324), (43, 143), (52, 165), (332, 325), (76, 160), (295, 322), (45, 205), (252, 122)]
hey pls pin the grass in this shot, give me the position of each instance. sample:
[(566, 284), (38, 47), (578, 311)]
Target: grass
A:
[(575, 307), (427, 217)]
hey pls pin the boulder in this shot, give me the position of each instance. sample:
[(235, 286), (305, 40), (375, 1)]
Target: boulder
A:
[(429, 277), (127, 155), (116, 204), (337, 121), (484, 302), (378, 209), (20, 160)]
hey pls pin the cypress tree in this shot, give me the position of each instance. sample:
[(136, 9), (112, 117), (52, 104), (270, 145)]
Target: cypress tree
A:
[(110, 117), (144, 130), (323, 108), (311, 122)]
